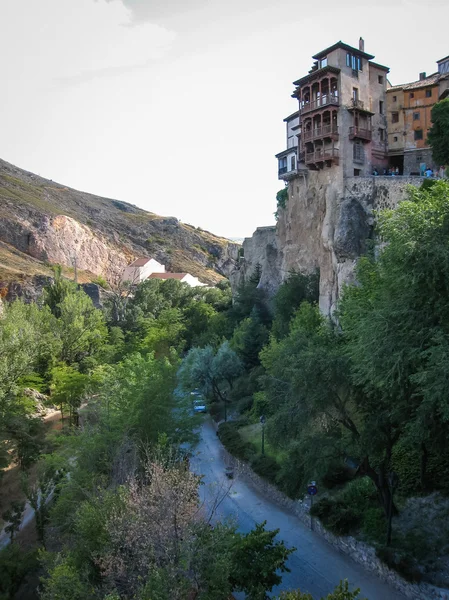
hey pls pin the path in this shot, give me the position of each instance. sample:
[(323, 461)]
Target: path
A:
[(316, 567)]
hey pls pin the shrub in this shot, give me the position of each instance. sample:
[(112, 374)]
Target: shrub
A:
[(337, 474), (374, 524), (232, 441), (265, 466), (336, 516), (400, 562), (291, 478)]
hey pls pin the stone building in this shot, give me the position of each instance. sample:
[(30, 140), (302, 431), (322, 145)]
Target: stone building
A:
[(409, 108), (342, 113)]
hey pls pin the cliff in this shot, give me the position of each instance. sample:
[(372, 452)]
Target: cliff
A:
[(43, 222), (325, 224)]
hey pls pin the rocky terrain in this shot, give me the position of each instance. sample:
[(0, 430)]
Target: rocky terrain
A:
[(43, 223), (324, 225)]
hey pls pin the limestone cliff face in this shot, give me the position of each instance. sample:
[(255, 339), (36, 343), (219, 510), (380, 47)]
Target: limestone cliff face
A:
[(50, 223), (325, 224)]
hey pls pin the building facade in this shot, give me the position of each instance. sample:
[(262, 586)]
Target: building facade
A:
[(288, 159), (141, 269), (409, 108), (342, 113)]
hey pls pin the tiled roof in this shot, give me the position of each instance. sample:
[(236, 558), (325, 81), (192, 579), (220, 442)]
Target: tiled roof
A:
[(140, 262), (431, 80), (168, 275), (341, 44)]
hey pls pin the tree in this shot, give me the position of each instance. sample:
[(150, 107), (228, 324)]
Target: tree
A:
[(438, 137), (294, 290), (57, 291), (13, 516), (256, 560), (67, 390), (341, 592), (249, 337), (212, 374)]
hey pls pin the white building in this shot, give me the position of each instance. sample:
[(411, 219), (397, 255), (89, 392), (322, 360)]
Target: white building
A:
[(183, 277), (141, 269), (288, 159)]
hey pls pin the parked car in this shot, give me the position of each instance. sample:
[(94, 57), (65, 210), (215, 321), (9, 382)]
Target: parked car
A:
[(199, 406)]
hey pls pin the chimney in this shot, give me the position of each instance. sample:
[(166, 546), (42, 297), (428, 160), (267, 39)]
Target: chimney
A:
[(422, 76), (362, 44)]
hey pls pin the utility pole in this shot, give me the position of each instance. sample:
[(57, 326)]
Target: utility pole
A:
[(262, 420)]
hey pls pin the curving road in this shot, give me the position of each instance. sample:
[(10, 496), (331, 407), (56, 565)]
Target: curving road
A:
[(316, 567)]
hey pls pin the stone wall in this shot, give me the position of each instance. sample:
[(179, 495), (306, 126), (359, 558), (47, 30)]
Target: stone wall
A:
[(360, 552)]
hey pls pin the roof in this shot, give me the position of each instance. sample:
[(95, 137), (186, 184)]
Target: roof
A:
[(292, 116), (341, 44), (168, 275), (140, 262), (414, 85), (315, 73), (431, 80), (378, 66), (442, 59)]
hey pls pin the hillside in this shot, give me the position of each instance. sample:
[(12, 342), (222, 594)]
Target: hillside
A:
[(43, 222)]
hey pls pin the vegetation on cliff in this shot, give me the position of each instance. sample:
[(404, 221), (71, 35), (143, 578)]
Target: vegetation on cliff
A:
[(35, 231), (358, 403)]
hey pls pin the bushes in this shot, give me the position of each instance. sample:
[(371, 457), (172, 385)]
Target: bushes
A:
[(265, 466), (400, 562), (232, 441), (336, 516)]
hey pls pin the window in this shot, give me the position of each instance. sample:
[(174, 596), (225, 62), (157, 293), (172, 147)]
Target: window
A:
[(428, 93), (358, 153), (395, 117), (418, 134), (416, 116), (292, 163), (355, 94), (356, 172), (380, 78), (395, 138), (381, 107), (353, 61), (282, 166), (412, 95), (395, 98), (381, 135), (323, 62)]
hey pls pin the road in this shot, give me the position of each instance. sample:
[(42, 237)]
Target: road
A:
[(316, 567)]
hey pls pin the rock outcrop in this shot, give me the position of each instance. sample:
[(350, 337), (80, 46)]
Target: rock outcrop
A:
[(325, 225), (51, 223)]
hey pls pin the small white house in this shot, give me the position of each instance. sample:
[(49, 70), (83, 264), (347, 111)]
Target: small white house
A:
[(141, 269), (183, 277)]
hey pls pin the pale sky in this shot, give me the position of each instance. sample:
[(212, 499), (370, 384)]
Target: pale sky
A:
[(177, 105)]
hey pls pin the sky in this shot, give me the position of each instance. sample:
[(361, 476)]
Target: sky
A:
[(177, 105)]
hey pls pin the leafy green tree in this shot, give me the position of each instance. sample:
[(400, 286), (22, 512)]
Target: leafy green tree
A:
[(249, 337), (294, 290), (341, 592), (438, 137), (256, 559), (213, 374), (67, 390), (15, 565), (13, 516), (80, 327), (57, 291)]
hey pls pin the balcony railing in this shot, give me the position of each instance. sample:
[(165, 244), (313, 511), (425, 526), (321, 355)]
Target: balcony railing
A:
[(359, 132), (282, 170), (356, 104), (322, 155), (320, 103), (328, 130)]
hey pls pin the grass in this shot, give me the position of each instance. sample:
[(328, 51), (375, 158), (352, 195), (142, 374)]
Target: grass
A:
[(253, 435)]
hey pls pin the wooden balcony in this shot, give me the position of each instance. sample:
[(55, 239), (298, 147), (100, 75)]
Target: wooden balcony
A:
[(360, 133), (327, 100), (325, 131), (321, 156)]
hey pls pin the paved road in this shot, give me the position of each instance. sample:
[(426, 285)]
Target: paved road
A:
[(316, 567)]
